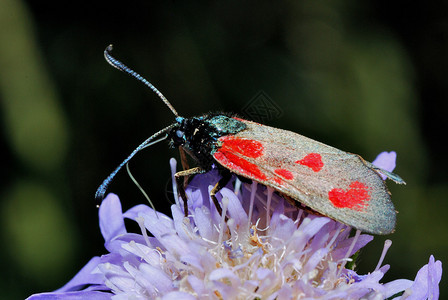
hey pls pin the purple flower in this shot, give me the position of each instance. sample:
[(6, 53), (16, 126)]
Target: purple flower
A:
[(267, 249), (386, 160)]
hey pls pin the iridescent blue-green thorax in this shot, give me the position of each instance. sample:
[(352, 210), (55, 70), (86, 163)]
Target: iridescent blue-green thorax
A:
[(199, 135)]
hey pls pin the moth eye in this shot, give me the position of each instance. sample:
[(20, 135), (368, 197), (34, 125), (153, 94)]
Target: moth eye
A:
[(179, 133)]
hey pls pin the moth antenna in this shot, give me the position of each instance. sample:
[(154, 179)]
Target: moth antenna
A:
[(101, 191), (122, 67)]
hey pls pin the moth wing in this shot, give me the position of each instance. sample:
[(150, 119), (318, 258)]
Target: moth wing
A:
[(332, 182)]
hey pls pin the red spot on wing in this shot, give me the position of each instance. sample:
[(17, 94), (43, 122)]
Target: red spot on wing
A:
[(284, 173), (313, 161), (356, 197), (247, 147), (228, 156), (278, 180)]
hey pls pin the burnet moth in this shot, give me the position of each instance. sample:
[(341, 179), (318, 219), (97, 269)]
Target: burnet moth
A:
[(334, 183)]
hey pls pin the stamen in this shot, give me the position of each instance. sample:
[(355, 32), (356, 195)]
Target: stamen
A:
[(173, 165), (222, 225), (141, 224), (141, 190), (387, 244), (268, 206), (336, 234), (252, 198), (238, 184), (299, 216), (233, 234), (350, 249)]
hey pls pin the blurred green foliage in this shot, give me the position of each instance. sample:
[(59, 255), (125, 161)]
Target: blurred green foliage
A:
[(362, 76)]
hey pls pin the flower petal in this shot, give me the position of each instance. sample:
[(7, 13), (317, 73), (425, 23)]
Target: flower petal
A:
[(344, 245), (111, 218), (178, 295), (83, 277), (95, 295), (386, 160), (235, 209), (396, 286), (196, 284), (157, 277), (182, 224), (426, 283), (290, 254), (204, 223)]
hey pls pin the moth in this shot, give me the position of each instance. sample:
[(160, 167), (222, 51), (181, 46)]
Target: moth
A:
[(332, 182)]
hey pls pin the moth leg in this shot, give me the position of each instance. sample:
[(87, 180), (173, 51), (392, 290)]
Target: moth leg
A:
[(226, 176), (180, 176), (184, 162)]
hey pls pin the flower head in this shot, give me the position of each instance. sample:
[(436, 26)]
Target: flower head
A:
[(266, 249)]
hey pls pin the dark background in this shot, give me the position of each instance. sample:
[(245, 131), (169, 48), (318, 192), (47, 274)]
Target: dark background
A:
[(364, 77)]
